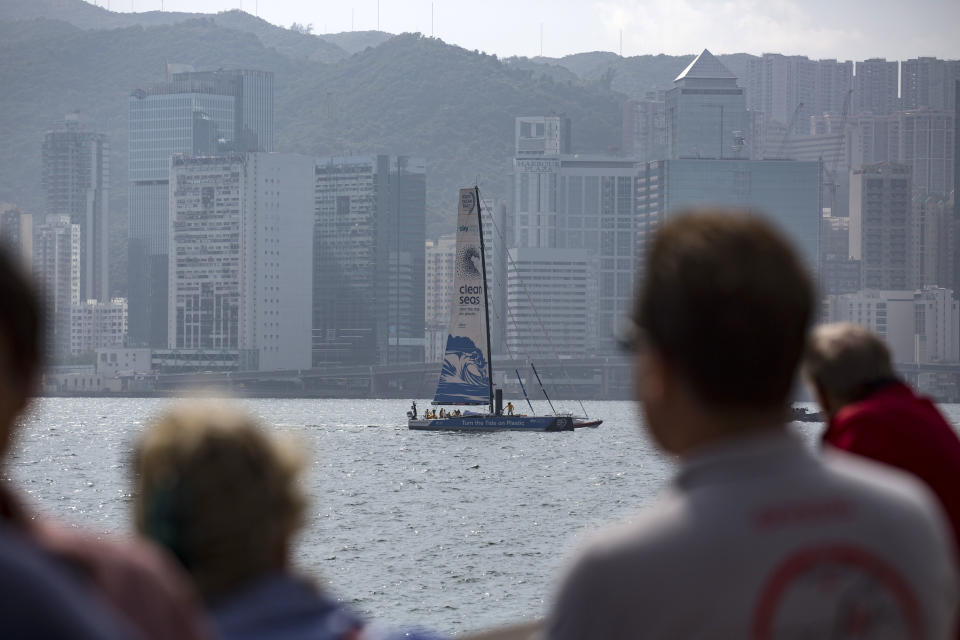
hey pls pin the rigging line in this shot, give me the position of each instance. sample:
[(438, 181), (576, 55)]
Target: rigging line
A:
[(536, 313), (510, 352), (543, 328)]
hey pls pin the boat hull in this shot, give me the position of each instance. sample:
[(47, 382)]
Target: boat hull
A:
[(500, 423)]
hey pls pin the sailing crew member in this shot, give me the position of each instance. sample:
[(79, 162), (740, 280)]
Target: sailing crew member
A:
[(509, 408), (413, 408), (441, 413)]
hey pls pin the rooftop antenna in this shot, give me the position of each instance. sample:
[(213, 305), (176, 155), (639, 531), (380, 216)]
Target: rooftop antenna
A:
[(431, 19), (541, 39), (378, 15), (351, 18), (621, 43)]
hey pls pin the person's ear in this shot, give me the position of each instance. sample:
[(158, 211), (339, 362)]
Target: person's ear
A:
[(652, 373)]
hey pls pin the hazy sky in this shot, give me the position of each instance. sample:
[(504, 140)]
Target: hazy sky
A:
[(845, 29)]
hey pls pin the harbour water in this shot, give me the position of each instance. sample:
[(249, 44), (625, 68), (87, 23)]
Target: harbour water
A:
[(449, 531)]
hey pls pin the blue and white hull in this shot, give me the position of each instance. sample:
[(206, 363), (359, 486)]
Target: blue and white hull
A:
[(499, 423)]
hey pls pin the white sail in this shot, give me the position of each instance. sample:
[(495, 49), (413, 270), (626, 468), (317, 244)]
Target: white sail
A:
[(464, 377)]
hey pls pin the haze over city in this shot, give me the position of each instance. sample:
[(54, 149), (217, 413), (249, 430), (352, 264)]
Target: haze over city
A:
[(458, 254), (853, 30)]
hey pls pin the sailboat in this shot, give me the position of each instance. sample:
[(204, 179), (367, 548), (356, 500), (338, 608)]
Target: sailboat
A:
[(466, 376)]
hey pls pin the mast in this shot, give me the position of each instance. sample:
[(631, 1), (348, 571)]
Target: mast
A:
[(486, 304)]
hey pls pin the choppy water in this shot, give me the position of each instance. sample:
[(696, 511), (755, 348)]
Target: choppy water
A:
[(446, 530)]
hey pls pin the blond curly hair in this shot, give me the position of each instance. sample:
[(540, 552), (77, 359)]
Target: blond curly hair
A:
[(219, 492)]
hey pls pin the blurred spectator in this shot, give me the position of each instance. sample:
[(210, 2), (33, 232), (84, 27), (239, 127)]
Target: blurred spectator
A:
[(873, 414), (223, 496), (140, 585), (757, 537)]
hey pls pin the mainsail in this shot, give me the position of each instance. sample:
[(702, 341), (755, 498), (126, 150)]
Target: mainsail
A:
[(464, 377)]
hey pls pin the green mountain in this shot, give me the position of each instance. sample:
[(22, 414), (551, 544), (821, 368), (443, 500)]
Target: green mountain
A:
[(88, 16), (409, 95)]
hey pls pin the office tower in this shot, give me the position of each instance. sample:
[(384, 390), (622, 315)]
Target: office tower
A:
[(838, 273), (56, 261), (881, 225), (578, 201), (924, 141), (644, 127), (193, 113), (241, 256), (876, 87), (934, 242), (785, 192), (868, 139), (919, 325), (98, 325), (369, 260), (542, 135), (16, 234), (552, 298), (438, 289), (76, 183), (706, 112), (928, 83)]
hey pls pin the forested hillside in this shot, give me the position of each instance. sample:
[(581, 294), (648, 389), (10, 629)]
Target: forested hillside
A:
[(357, 93)]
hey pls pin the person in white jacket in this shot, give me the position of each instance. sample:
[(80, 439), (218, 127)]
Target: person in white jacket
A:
[(757, 536)]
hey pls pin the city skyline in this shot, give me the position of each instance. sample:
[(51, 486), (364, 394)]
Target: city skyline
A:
[(854, 30)]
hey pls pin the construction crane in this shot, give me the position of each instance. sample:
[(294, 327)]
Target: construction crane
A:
[(830, 171), (789, 131)]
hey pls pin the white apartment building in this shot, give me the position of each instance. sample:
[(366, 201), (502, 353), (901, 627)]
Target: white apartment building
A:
[(56, 264), (98, 325), (438, 271), (552, 303), (921, 326), (241, 257)]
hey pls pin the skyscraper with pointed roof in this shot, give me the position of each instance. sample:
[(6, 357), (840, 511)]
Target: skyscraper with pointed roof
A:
[(706, 112)]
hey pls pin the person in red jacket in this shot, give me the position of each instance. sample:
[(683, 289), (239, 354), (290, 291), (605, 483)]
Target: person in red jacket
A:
[(873, 414)]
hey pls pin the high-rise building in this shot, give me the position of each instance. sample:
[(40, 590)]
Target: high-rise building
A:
[(542, 135), (644, 127), (98, 325), (438, 274), (934, 239), (438, 289), (193, 113), (785, 192), (76, 183), (577, 201), (552, 298), (706, 112), (928, 83), (56, 261), (838, 273), (241, 257), (791, 89), (876, 86), (369, 260), (833, 85), (923, 140), (16, 234), (881, 225)]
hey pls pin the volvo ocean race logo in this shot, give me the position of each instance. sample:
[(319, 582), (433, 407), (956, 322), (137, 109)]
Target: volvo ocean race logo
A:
[(467, 201)]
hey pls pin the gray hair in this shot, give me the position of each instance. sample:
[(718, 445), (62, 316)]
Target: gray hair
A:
[(845, 359)]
